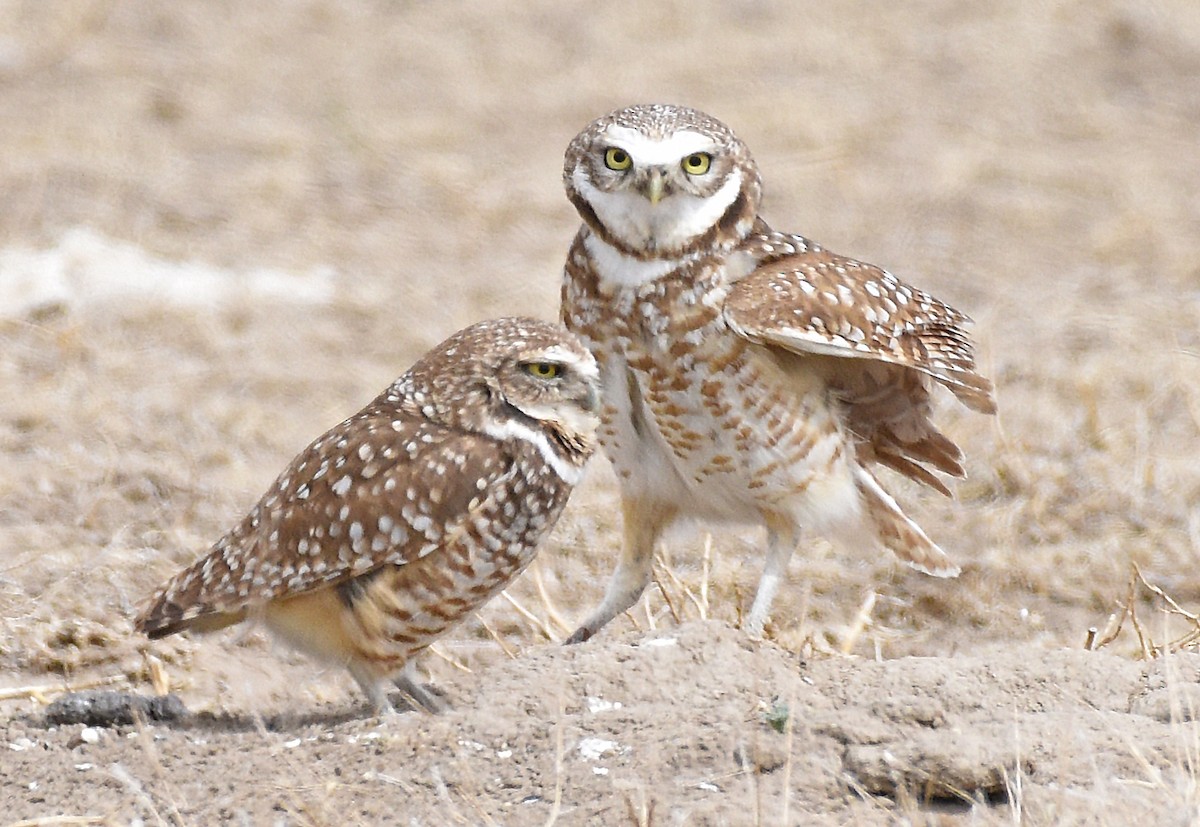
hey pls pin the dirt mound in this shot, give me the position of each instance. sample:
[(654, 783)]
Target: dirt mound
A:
[(228, 226), (696, 724)]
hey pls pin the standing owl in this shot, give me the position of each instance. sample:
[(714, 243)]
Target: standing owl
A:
[(748, 375), (393, 526)]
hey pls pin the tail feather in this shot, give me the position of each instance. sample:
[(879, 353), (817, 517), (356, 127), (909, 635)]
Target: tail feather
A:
[(888, 409), (898, 533), (971, 389), (163, 618), (199, 597), (910, 469)]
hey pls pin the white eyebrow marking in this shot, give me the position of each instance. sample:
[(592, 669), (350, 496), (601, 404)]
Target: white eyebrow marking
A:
[(671, 150), (558, 353)]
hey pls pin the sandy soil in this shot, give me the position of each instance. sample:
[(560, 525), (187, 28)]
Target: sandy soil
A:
[(395, 166)]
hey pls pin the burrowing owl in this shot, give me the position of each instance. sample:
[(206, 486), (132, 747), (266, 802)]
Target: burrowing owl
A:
[(412, 513), (748, 375)]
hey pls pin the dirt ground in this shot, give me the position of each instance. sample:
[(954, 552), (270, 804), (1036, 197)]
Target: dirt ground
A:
[(226, 226)]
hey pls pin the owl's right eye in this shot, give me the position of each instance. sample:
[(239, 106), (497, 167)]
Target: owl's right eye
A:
[(617, 159)]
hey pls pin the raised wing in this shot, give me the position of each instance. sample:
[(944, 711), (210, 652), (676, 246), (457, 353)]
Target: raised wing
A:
[(814, 301), (381, 488), (886, 340)]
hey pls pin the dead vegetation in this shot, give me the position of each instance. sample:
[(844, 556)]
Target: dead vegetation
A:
[(1021, 161)]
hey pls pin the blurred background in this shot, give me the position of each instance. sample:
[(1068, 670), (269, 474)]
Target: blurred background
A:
[(225, 226)]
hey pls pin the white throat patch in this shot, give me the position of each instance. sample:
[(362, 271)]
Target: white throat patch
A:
[(617, 270), (668, 225)]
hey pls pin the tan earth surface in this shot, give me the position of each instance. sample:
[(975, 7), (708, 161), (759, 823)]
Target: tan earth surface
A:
[(226, 226)]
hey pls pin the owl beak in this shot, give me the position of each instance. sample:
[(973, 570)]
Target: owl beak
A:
[(591, 400), (655, 186)]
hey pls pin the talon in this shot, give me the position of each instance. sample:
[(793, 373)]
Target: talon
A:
[(580, 635)]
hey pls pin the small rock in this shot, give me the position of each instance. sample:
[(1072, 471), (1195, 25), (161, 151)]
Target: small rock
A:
[(948, 770), (596, 705), (592, 748), (659, 642), (98, 708), (1177, 703), (762, 755)]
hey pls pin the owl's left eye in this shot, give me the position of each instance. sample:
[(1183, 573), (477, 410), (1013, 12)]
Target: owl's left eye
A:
[(542, 370), (697, 163)]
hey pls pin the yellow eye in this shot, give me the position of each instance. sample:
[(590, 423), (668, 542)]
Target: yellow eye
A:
[(697, 163), (618, 159), (543, 370)]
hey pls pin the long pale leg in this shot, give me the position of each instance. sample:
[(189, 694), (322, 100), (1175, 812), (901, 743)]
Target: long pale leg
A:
[(781, 542), (644, 523)]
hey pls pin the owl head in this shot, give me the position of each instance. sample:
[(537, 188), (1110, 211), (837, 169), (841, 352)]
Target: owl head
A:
[(658, 181), (512, 378)]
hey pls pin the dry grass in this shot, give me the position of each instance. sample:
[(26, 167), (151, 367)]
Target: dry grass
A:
[(1023, 161)]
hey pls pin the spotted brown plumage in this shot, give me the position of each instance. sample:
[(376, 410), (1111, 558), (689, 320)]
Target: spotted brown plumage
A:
[(398, 522), (748, 375)]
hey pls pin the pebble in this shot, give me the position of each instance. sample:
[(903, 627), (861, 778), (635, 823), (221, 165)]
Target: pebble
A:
[(100, 708)]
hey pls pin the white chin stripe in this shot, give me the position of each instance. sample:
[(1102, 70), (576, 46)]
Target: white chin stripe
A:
[(647, 151), (510, 429), (666, 226)]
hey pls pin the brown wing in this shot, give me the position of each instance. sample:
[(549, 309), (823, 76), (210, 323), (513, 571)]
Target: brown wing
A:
[(380, 488), (819, 302), (876, 341), (888, 408)]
